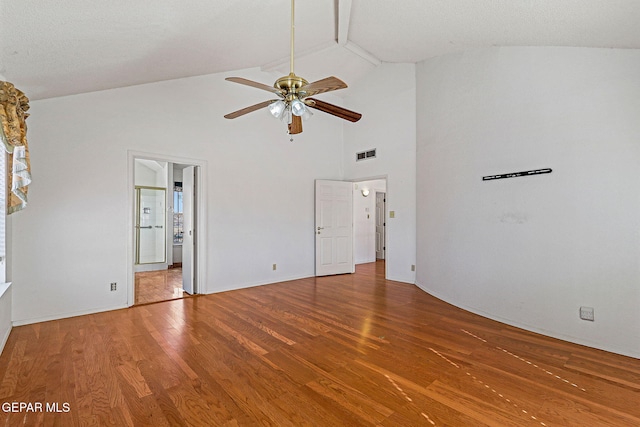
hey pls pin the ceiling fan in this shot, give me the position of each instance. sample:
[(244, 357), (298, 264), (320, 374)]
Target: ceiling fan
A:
[(294, 94)]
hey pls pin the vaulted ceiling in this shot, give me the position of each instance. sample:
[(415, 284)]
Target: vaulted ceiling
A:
[(62, 47)]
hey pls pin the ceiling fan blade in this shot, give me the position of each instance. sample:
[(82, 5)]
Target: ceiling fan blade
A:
[(322, 86), (296, 125), (255, 84), (343, 113), (248, 109)]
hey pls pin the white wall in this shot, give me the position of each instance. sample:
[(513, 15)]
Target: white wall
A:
[(364, 220), (151, 173), (386, 99), (530, 251), (260, 189), (144, 175)]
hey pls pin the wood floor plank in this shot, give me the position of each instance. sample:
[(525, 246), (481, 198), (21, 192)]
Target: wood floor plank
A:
[(304, 412), (347, 350), (161, 285)]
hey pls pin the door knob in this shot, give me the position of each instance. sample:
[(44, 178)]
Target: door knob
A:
[(320, 228)]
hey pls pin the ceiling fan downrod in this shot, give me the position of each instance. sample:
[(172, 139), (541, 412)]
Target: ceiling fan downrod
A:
[(291, 83), (293, 28)]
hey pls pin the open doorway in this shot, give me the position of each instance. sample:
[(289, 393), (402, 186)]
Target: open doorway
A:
[(167, 208), (369, 220), (381, 225)]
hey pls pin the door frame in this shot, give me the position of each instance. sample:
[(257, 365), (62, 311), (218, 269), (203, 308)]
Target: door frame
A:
[(200, 271), (386, 215), (189, 224), (384, 223)]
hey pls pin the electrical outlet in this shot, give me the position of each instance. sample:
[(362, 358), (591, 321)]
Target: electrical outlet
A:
[(274, 267), (413, 267), (586, 313), (114, 286)]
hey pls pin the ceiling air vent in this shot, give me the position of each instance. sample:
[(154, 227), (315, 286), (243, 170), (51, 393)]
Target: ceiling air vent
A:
[(364, 155)]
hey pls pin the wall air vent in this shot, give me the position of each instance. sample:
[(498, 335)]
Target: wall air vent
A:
[(364, 155)]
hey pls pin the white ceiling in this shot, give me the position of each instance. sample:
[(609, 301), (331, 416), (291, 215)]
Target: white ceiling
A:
[(62, 47)]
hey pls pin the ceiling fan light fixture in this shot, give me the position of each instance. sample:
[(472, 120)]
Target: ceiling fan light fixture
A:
[(287, 117), (307, 114), (277, 108), (298, 108)]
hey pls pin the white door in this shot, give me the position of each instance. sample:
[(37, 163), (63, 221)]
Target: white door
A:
[(334, 227), (380, 224), (188, 247)]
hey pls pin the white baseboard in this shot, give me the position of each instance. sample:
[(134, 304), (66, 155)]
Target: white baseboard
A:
[(150, 267), (531, 328), (4, 339), (253, 284), (66, 315)]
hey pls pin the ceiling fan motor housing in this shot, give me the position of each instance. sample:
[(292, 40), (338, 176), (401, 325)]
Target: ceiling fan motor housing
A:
[(290, 85)]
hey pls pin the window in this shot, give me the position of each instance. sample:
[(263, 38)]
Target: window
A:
[(178, 219)]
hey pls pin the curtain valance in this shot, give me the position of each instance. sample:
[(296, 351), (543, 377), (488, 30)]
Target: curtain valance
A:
[(13, 132)]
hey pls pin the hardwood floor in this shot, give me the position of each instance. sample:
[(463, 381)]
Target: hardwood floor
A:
[(161, 285), (345, 350)]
